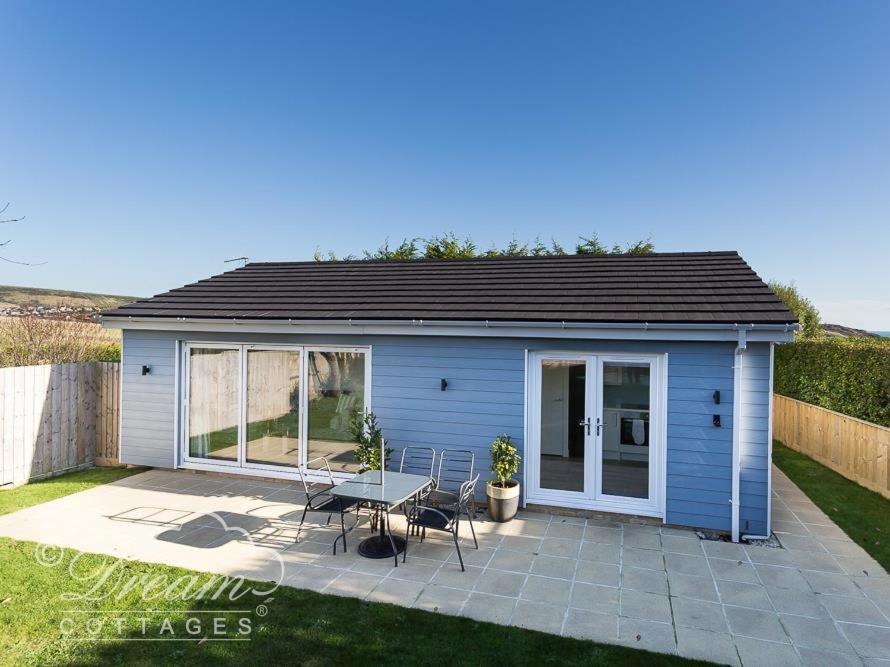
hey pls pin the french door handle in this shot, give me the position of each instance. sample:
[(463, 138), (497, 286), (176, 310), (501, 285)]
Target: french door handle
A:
[(586, 423)]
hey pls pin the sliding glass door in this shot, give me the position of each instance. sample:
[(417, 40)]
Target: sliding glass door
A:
[(214, 405), (271, 408), (596, 425), (336, 392)]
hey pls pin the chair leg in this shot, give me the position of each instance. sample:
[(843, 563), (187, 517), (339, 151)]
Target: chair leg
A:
[(457, 546), (473, 530), (300, 528), (407, 535)]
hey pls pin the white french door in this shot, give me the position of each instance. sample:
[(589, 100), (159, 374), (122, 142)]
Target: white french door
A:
[(596, 437)]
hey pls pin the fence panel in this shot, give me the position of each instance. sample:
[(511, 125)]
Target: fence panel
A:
[(56, 418), (856, 449)]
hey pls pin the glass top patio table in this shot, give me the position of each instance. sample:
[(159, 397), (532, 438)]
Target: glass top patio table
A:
[(397, 487)]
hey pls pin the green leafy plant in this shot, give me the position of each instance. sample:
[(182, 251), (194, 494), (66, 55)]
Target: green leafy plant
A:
[(803, 309), (368, 437), (451, 246), (847, 375), (505, 460)]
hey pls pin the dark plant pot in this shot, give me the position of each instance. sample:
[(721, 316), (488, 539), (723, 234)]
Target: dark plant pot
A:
[(503, 501)]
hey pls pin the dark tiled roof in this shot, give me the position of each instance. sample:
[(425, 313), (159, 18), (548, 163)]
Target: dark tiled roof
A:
[(712, 287)]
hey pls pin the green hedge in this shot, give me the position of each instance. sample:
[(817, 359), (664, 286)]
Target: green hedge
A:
[(847, 375)]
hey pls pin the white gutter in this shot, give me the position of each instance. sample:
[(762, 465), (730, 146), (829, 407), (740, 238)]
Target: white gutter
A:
[(737, 372), (463, 323), (637, 330)]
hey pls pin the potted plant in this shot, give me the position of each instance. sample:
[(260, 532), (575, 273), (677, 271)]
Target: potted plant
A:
[(503, 490), (368, 436)]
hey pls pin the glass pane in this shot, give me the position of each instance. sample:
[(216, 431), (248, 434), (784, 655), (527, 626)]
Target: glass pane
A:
[(213, 403), (626, 429), (562, 435), (273, 407), (336, 391)]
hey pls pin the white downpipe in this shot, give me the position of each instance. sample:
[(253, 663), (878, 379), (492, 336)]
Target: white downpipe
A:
[(769, 463), (737, 372)]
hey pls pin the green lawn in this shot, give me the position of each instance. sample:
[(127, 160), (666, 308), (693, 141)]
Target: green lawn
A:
[(40, 627), (862, 514), (56, 487), (301, 627)]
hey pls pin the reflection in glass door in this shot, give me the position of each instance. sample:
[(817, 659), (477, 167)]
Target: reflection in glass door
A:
[(336, 393), (624, 446), (273, 407), (563, 424), (213, 385)]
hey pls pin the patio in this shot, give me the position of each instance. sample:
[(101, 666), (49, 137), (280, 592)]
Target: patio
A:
[(819, 600)]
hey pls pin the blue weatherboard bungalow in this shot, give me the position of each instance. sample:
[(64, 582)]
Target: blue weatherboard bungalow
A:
[(631, 384)]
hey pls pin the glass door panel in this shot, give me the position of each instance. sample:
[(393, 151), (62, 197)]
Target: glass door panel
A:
[(214, 403), (563, 415), (625, 429), (335, 393), (273, 407)]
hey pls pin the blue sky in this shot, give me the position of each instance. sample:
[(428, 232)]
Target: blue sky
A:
[(148, 142)]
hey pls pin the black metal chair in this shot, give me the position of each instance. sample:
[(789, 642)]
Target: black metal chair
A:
[(323, 501), (418, 461), (445, 518), (456, 466)]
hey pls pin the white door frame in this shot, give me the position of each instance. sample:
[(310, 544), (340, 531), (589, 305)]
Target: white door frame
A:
[(591, 498), (241, 466)]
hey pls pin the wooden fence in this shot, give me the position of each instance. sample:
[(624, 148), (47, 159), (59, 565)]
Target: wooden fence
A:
[(856, 449), (56, 418)]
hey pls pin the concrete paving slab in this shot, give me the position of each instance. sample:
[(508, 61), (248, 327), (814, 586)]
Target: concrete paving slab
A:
[(820, 599)]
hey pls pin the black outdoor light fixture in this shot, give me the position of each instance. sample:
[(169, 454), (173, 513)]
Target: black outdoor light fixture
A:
[(443, 384), (717, 397), (146, 370)]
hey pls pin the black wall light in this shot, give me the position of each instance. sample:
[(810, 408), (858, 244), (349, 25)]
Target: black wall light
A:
[(717, 397), (146, 370), (443, 384)]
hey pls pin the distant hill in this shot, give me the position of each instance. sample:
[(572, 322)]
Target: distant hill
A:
[(841, 331), (18, 297)]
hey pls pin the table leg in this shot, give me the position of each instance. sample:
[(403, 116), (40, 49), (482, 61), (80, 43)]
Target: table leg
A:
[(395, 549), (384, 544)]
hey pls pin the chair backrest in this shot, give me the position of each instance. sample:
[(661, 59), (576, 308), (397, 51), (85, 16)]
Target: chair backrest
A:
[(418, 461), (467, 492), (455, 468), (324, 468)]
